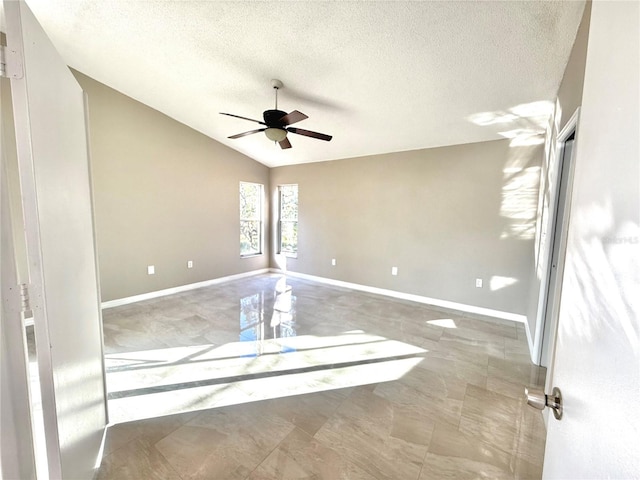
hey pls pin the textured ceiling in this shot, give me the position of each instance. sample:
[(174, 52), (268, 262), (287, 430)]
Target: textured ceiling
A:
[(378, 76)]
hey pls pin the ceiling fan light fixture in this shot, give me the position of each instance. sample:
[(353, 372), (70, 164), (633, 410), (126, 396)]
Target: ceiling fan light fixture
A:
[(276, 134)]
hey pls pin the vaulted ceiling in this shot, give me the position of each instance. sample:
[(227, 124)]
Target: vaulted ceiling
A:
[(378, 76)]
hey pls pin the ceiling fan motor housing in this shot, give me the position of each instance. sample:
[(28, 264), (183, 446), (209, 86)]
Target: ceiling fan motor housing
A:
[(272, 117)]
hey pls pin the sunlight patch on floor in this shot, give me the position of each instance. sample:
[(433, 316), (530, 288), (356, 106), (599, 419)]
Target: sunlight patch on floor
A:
[(159, 382), (443, 322)]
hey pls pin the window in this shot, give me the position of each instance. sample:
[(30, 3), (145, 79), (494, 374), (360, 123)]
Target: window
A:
[(288, 219), (250, 219)]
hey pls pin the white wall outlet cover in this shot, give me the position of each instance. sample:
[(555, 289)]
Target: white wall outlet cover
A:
[(333, 262), (190, 264), (479, 282), (394, 270), (151, 270)]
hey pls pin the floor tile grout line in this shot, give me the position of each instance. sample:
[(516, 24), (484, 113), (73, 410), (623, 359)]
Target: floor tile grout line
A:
[(167, 461), (272, 450), (424, 458)]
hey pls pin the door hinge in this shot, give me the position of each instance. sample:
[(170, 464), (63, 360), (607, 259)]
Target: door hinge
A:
[(10, 63), (25, 304)]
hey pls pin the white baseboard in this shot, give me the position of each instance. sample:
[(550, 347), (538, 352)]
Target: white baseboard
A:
[(181, 288), (532, 351), (514, 317)]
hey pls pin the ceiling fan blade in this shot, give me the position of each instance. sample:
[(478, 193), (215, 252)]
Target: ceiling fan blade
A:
[(284, 144), (244, 134), (244, 118), (309, 133), (291, 118)]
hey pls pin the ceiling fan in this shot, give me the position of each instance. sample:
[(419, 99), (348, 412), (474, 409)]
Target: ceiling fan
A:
[(276, 123)]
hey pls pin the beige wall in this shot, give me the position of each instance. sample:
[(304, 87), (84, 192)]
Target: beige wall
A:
[(164, 194), (568, 100), (443, 216)]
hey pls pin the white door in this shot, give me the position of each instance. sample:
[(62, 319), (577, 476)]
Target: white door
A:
[(51, 139), (597, 356)]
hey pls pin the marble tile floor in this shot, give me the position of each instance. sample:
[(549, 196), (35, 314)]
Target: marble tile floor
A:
[(281, 378)]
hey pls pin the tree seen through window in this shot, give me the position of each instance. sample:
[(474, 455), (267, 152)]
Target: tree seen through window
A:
[(250, 218)]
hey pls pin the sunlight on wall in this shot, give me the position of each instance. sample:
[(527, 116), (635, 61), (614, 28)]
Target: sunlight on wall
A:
[(522, 137), (520, 200), (527, 122), (497, 282), (280, 261), (542, 243), (557, 116), (525, 126)]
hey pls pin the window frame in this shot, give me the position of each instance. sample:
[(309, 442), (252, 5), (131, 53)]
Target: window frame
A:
[(260, 220)]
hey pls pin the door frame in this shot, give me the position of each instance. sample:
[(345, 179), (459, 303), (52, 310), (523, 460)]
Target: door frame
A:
[(17, 454), (549, 298)]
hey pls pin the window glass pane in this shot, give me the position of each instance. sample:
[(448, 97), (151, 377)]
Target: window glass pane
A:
[(288, 224), (289, 237), (249, 237), (289, 202), (250, 218), (250, 201)]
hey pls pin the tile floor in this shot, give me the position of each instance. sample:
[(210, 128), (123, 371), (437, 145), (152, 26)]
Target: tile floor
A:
[(282, 378)]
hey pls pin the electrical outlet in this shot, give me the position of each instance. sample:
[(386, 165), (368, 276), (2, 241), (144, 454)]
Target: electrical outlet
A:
[(333, 262), (190, 264), (478, 283), (394, 270), (151, 270)]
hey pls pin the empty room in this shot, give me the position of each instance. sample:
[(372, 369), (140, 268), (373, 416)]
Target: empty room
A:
[(319, 240)]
